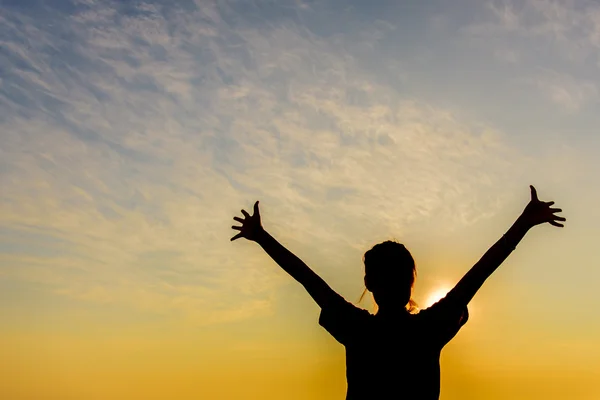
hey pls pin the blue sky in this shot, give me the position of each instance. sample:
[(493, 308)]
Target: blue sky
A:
[(133, 132)]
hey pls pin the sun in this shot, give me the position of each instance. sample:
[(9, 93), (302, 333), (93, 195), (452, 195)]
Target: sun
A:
[(435, 295)]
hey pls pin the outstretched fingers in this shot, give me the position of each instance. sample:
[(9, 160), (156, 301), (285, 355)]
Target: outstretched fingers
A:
[(250, 224), (239, 235), (238, 228), (556, 218)]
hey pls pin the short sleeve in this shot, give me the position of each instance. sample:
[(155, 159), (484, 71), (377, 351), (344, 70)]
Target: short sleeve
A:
[(343, 320), (444, 319)]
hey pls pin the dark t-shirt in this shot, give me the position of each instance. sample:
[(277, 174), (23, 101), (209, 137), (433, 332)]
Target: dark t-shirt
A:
[(393, 357)]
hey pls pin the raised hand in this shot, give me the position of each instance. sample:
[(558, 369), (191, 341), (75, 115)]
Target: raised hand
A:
[(251, 227), (538, 212)]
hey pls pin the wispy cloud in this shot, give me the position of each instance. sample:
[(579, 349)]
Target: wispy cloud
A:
[(506, 55), (540, 33), (572, 23), (565, 90), (133, 134)]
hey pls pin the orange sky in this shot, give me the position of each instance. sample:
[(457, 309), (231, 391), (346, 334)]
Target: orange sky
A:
[(132, 134)]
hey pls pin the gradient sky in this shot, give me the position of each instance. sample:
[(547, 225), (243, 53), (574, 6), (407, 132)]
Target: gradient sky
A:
[(132, 132)]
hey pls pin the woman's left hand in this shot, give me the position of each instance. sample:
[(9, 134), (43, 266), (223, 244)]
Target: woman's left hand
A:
[(538, 212)]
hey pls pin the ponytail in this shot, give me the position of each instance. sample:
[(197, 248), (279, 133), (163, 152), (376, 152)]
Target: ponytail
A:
[(413, 307)]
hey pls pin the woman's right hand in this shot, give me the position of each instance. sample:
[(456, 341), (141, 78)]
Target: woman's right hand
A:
[(251, 227)]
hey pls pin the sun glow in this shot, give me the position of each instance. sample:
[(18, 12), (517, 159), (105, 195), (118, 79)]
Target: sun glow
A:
[(435, 295)]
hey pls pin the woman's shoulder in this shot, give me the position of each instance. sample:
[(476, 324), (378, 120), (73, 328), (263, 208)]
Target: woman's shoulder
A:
[(344, 321)]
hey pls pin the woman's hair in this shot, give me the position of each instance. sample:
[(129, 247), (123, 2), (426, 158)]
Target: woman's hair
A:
[(391, 259)]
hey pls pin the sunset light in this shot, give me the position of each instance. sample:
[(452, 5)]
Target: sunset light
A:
[(132, 133), (436, 295)]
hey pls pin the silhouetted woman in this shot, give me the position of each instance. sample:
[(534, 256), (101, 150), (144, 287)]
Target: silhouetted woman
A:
[(395, 353)]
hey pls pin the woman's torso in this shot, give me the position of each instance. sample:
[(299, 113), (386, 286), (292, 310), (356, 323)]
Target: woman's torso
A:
[(394, 359)]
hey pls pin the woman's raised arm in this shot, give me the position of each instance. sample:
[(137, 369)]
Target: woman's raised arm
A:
[(252, 229), (536, 212)]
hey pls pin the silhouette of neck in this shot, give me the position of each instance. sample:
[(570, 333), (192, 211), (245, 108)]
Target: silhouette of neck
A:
[(392, 311)]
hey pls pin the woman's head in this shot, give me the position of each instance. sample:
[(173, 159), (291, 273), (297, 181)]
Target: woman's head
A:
[(390, 274)]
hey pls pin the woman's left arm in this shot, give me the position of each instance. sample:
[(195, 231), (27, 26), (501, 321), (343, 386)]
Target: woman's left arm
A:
[(536, 212)]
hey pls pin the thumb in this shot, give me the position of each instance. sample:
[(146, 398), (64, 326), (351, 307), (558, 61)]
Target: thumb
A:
[(256, 212), (533, 193)]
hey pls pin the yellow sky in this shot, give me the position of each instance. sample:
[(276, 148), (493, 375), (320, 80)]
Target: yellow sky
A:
[(132, 134)]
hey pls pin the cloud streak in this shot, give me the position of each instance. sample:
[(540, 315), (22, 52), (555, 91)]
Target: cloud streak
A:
[(556, 43), (132, 135)]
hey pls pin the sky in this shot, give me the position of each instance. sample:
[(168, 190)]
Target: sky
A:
[(133, 132)]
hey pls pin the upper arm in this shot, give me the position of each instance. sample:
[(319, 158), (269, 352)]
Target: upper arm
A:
[(290, 263), (445, 318), (466, 288), (319, 290), (464, 291)]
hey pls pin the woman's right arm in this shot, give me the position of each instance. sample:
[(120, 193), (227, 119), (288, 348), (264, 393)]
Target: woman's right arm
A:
[(252, 229)]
